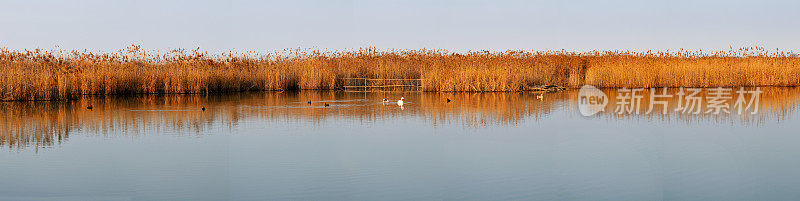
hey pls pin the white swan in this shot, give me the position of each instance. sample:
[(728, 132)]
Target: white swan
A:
[(400, 102), (540, 96)]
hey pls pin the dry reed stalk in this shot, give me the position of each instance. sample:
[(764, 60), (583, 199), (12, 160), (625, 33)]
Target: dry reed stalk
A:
[(59, 75)]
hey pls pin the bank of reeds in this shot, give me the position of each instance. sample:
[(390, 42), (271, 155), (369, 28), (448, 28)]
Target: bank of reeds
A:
[(58, 75)]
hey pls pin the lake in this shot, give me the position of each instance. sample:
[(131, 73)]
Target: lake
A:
[(478, 146)]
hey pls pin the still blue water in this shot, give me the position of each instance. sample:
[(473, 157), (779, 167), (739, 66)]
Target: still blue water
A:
[(260, 148)]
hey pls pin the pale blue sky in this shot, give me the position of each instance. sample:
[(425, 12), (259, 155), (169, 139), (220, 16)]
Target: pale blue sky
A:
[(405, 24)]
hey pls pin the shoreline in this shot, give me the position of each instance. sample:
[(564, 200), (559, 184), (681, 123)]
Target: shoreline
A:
[(222, 93)]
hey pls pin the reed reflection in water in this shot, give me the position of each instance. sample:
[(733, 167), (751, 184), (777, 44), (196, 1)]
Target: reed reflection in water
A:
[(479, 146), (43, 124)]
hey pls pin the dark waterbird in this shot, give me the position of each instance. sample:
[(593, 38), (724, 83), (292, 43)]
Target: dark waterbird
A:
[(90, 107), (309, 102), (326, 105), (448, 100), (203, 109)]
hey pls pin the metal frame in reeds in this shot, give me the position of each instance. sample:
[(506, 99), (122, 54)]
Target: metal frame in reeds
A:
[(371, 84)]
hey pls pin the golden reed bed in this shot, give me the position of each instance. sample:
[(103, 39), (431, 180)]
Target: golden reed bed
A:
[(59, 75)]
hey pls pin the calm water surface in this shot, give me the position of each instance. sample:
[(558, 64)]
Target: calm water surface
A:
[(480, 146)]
